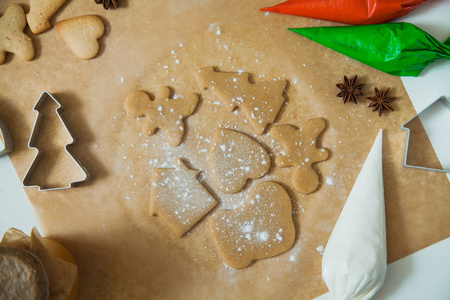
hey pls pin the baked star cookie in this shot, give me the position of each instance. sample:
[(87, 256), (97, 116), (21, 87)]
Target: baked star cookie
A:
[(301, 152), (261, 102), (234, 158), (260, 228), (12, 37), (163, 113)]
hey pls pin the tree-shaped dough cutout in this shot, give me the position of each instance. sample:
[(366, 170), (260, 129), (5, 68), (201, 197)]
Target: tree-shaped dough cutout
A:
[(54, 166), (301, 152), (178, 198), (260, 228), (163, 113), (261, 102)]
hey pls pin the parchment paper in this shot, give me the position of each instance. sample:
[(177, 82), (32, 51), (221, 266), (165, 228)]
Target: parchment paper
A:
[(122, 252)]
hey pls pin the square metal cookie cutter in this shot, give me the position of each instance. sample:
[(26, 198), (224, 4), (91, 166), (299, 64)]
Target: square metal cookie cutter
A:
[(439, 102), (32, 145), (6, 145)]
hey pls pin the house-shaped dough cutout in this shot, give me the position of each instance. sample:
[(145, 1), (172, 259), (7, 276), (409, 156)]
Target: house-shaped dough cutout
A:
[(178, 198)]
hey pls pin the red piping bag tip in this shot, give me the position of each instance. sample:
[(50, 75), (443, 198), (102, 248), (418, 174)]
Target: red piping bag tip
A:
[(270, 9)]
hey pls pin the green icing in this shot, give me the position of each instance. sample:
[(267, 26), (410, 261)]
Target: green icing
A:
[(400, 49)]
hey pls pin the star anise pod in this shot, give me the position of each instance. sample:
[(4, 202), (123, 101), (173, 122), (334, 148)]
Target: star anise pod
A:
[(108, 3), (380, 101), (349, 89)]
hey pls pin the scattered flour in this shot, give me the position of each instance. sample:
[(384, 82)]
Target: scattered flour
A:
[(330, 180), (263, 236), (320, 249)]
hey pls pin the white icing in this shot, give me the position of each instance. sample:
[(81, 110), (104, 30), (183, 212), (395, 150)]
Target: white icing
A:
[(354, 261)]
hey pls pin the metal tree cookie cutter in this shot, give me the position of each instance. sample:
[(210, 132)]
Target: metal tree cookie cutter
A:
[(441, 105), (6, 145), (32, 145)]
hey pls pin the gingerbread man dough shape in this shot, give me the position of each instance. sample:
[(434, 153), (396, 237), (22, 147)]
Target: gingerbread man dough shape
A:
[(234, 158), (261, 102), (12, 37), (260, 228), (163, 113), (301, 152)]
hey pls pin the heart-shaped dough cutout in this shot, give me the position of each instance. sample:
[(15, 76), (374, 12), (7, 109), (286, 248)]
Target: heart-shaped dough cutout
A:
[(81, 34), (234, 158), (260, 228)]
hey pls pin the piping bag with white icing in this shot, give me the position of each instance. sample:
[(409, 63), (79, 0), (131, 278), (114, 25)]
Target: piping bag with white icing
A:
[(355, 261)]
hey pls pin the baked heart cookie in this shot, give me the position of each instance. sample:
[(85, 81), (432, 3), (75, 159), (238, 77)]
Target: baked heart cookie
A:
[(261, 102), (41, 11), (12, 37), (234, 158), (81, 34), (163, 113), (260, 228), (301, 152)]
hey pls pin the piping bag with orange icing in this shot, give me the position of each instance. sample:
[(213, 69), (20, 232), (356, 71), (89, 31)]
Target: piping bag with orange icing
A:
[(356, 12), (354, 262)]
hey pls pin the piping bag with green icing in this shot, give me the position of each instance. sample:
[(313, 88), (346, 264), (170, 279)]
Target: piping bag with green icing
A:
[(400, 49)]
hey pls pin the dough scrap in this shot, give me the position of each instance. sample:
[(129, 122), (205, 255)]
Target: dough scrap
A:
[(301, 152), (261, 228), (234, 158), (41, 11), (12, 37), (261, 102), (163, 113), (178, 198), (81, 34)]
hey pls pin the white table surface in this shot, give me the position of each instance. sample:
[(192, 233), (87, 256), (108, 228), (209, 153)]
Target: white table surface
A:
[(422, 275)]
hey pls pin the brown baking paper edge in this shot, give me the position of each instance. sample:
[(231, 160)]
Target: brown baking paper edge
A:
[(120, 250)]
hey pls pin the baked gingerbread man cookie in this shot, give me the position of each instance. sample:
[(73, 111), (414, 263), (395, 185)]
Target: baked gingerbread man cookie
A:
[(163, 113), (261, 228), (301, 152), (12, 37)]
